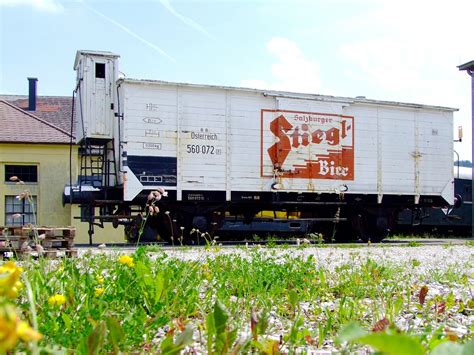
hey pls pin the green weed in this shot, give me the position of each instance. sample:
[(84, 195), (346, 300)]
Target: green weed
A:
[(119, 303)]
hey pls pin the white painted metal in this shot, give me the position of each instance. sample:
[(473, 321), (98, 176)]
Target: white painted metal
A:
[(220, 137)]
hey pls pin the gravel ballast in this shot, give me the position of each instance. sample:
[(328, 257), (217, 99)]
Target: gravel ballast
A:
[(447, 272), (422, 266)]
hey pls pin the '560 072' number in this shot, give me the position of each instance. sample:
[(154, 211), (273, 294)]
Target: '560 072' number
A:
[(199, 149)]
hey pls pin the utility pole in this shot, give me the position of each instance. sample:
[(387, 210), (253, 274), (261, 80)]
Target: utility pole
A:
[(469, 68)]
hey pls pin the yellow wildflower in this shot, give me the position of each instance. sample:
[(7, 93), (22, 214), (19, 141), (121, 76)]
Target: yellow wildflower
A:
[(10, 279), (99, 279), (57, 300), (26, 333), (8, 320), (13, 292), (98, 291), (126, 260), (13, 329)]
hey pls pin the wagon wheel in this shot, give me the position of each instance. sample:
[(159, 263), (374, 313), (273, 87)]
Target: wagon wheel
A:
[(209, 222), (371, 227), (156, 228), (131, 229), (345, 232), (150, 231)]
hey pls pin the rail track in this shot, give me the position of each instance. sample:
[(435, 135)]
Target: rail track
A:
[(288, 242)]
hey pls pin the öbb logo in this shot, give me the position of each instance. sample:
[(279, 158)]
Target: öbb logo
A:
[(316, 146)]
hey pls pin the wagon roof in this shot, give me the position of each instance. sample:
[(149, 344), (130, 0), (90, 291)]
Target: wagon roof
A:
[(301, 96), (105, 54)]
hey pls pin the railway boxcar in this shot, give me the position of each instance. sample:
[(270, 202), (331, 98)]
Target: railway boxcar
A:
[(456, 220), (355, 162)]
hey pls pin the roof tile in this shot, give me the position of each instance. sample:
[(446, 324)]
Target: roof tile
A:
[(19, 126), (53, 109)]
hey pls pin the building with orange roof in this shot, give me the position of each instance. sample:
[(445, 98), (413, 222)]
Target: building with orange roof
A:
[(38, 146), (38, 153)]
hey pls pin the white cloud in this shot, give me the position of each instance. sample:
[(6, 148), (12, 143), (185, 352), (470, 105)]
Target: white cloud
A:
[(410, 40), (387, 64), (43, 5), (408, 51), (291, 71)]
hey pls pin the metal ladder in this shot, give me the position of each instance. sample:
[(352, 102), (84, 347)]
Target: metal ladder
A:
[(98, 166)]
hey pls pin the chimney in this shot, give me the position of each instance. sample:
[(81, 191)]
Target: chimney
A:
[(32, 94)]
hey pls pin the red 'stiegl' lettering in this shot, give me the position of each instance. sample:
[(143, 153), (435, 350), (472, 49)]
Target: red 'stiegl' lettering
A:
[(280, 150), (331, 134)]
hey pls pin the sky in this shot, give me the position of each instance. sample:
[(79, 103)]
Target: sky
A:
[(403, 50)]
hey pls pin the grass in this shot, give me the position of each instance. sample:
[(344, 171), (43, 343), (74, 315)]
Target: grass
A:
[(256, 299), (424, 235), (251, 301)]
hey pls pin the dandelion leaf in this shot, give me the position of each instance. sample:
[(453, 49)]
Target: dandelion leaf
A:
[(447, 348), (293, 298), (220, 323), (271, 347), (468, 348), (95, 339), (116, 333), (350, 332), (167, 346), (159, 285), (211, 330), (184, 339), (393, 344), (67, 321)]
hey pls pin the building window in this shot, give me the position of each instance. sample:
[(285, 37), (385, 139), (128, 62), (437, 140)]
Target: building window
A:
[(26, 173), (100, 70), (20, 209)]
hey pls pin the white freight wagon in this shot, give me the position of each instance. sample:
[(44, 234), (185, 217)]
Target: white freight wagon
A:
[(353, 161)]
